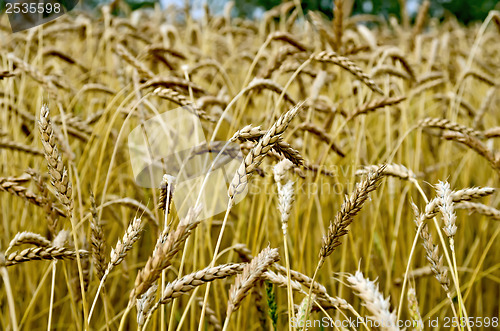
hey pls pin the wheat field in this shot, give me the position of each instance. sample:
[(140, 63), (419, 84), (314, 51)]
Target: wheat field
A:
[(369, 161)]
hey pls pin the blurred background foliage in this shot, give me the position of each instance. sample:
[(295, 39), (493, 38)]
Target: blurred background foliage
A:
[(466, 11)]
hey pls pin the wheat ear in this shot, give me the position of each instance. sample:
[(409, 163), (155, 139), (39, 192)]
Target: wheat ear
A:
[(97, 239), (374, 301), (188, 282), (345, 63), (252, 272), (479, 208), (418, 324), (350, 207), (58, 172), (132, 234), (392, 169), (432, 250), (257, 154), (42, 253), (164, 252), (28, 238)]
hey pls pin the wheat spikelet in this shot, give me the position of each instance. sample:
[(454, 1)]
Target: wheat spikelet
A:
[(49, 51), (257, 154), (303, 312), (159, 48), (417, 324), (142, 70), (13, 145), (165, 251), (180, 99), (210, 314), (496, 19), (391, 169), (459, 196), (416, 273), (373, 300), (446, 208), (132, 234), (97, 239), (268, 84), (76, 126), (338, 23), (326, 300), (285, 192), (251, 273), (252, 133), (13, 185), (446, 124), (475, 207), (298, 278), (51, 212), (323, 135), (57, 170), (34, 73), (492, 132), (42, 253), (85, 263), (174, 82), (278, 60), (396, 54), (470, 193), (380, 70), (209, 100), (420, 20), (350, 207), (288, 38), (94, 87), (426, 86), (476, 146), (430, 76), (7, 74), (432, 250), (28, 238), (479, 76), (118, 253), (332, 57), (167, 188), (144, 304), (187, 283), (374, 105)]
